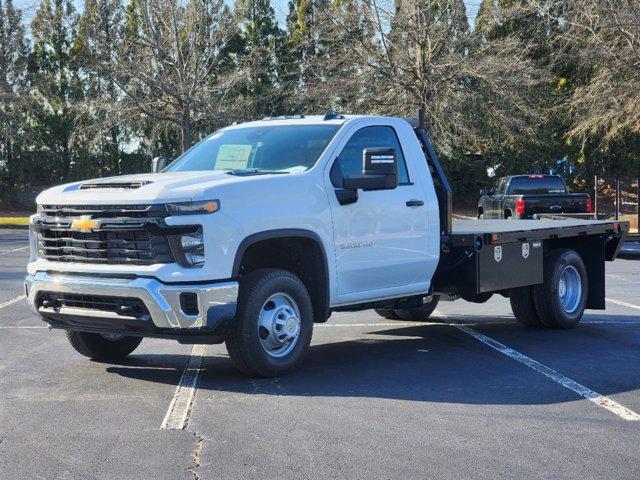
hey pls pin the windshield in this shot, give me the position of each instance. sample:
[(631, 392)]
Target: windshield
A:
[(537, 185), (277, 148)]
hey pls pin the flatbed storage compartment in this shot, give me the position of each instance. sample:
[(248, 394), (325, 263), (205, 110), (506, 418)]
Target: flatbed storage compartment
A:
[(482, 256)]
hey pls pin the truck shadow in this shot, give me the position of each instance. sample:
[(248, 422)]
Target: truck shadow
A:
[(434, 363)]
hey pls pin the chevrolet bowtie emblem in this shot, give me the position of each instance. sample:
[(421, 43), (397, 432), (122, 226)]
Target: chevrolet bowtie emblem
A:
[(84, 224)]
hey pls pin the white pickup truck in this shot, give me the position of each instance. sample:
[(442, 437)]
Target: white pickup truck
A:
[(265, 228)]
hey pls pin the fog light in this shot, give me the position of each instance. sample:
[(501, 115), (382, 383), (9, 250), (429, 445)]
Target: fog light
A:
[(192, 246)]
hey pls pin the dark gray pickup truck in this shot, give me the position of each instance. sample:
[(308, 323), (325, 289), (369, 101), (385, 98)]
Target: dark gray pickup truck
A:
[(523, 196)]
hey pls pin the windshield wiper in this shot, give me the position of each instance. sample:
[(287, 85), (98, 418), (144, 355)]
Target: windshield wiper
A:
[(243, 172)]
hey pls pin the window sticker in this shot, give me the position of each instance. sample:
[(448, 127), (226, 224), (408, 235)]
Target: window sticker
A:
[(232, 156)]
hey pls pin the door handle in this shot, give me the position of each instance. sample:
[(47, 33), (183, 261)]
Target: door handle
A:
[(414, 203)]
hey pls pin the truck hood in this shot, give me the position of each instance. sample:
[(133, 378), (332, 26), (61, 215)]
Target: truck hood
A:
[(140, 188)]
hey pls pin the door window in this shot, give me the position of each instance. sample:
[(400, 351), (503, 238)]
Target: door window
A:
[(349, 162)]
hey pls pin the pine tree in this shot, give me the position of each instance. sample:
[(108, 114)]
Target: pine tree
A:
[(57, 85), (13, 95), (99, 38), (260, 49)]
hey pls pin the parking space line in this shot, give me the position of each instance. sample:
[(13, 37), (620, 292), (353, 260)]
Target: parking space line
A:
[(179, 409), (623, 304), (585, 392), (21, 327), (12, 301), (7, 252)]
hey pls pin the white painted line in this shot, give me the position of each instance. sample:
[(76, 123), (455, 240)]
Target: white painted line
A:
[(180, 407), (623, 304), (14, 250), (600, 400), (12, 301), (611, 322), (20, 327), (380, 324)]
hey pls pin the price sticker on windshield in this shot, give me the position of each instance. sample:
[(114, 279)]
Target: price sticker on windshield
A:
[(231, 156)]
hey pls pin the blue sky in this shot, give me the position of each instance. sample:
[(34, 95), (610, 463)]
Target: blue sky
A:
[(280, 7)]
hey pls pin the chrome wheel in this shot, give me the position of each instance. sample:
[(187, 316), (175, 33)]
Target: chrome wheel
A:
[(279, 325), (570, 289)]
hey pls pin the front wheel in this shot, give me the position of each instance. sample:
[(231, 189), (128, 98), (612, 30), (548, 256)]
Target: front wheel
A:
[(104, 348), (273, 326)]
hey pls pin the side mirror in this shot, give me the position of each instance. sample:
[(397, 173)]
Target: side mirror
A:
[(379, 170), (484, 192), (158, 164)]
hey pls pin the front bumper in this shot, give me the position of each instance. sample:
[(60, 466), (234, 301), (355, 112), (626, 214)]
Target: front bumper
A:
[(216, 303)]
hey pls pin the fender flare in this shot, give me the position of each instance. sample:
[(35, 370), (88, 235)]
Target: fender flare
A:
[(287, 233)]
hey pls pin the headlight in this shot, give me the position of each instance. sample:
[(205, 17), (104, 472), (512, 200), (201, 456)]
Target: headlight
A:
[(189, 248), (190, 208)]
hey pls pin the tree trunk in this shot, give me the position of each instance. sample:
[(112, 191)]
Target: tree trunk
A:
[(186, 130)]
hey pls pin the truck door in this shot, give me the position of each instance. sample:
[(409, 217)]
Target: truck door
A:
[(380, 239), (497, 198)]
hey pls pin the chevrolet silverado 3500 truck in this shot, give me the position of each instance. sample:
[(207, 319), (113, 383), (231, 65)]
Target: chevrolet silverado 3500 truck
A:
[(265, 228)]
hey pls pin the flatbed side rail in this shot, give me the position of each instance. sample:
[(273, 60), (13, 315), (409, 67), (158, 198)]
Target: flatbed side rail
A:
[(466, 238)]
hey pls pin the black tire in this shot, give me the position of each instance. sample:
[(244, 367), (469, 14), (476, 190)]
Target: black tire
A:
[(547, 296), (419, 314), (477, 297), (98, 347), (524, 308), (243, 340), (388, 314)]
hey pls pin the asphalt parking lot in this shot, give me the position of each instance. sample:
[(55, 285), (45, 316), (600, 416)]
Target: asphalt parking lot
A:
[(470, 395)]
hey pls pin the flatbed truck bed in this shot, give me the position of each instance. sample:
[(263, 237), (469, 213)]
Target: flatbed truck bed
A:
[(481, 257), (464, 232)]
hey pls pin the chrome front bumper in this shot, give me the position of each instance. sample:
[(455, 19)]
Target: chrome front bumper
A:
[(216, 301)]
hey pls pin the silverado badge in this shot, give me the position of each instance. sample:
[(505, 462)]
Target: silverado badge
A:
[(85, 224)]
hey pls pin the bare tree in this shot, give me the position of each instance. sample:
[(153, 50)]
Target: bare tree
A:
[(422, 53), (171, 67), (603, 37)]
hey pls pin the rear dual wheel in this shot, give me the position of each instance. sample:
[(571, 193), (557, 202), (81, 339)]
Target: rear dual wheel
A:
[(560, 301)]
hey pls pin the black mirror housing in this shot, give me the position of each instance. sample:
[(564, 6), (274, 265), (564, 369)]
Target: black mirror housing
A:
[(379, 170), (158, 164)]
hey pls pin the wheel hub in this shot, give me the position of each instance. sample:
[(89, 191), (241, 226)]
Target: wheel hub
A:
[(570, 289), (279, 325)]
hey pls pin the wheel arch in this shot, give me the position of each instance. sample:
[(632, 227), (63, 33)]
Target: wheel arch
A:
[(285, 248)]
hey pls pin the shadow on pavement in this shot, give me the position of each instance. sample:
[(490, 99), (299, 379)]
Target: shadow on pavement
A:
[(431, 364)]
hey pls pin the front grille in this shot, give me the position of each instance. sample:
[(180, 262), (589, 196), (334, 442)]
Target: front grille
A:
[(105, 211), (131, 307), (123, 245)]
